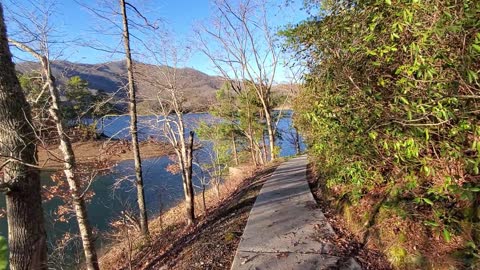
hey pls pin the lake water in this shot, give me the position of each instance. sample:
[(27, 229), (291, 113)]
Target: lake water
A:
[(162, 189)]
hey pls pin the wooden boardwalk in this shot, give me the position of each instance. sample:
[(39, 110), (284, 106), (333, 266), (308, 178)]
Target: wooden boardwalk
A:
[(285, 229)]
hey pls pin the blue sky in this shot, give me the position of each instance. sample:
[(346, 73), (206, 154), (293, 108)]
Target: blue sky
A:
[(74, 21)]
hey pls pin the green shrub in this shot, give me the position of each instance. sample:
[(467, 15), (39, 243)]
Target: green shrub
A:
[(3, 253), (389, 107)]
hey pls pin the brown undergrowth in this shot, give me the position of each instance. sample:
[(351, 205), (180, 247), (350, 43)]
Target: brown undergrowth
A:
[(209, 244), (348, 243), (381, 235)]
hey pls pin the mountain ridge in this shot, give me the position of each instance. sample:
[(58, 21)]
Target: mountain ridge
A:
[(111, 78), (198, 88)]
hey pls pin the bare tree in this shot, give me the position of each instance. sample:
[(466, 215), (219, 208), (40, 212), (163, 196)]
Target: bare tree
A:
[(173, 127), (293, 74), (170, 113), (115, 21), (39, 37), (240, 44), (21, 180), (240, 109), (133, 122)]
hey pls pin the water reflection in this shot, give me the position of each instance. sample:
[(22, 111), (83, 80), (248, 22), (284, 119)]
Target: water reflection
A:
[(162, 189)]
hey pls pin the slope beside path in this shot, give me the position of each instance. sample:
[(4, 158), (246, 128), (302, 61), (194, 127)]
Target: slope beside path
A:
[(286, 229)]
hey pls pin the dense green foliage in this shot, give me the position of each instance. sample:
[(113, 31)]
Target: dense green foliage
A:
[(242, 129), (222, 136), (82, 103), (3, 253), (78, 104), (390, 110)]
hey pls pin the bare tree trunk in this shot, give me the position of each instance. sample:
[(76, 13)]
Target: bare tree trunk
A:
[(133, 125), (185, 156), (253, 151), (217, 174), (69, 170), (171, 97), (265, 151), (190, 200), (234, 149), (254, 50), (204, 187), (26, 232), (271, 133), (91, 260), (69, 162), (258, 153), (297, 142), (217, 187), (250, 138)]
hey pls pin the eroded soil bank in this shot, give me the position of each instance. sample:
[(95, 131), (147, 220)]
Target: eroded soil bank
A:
[(349, 245), (50, 157)]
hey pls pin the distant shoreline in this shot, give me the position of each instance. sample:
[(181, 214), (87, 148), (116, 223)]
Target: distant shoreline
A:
[(281, 108), (91, 152)]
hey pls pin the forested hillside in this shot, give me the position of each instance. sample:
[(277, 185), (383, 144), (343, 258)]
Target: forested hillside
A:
[(110, 78)]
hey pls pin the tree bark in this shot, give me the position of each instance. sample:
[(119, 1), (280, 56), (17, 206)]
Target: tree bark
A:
[(26, 232), (190, 199), (204, 187), (78, 202), (234, 149), (185, 156), (264, 148), (271, 134), (253, 152), (217, 187), (250, 137), (133, 125), (297, 142), (70, 165), (258, 151)]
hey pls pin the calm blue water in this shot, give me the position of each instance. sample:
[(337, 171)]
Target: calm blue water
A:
[(162, 189)]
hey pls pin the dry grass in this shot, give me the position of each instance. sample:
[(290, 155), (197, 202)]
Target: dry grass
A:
[(170, 226)]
